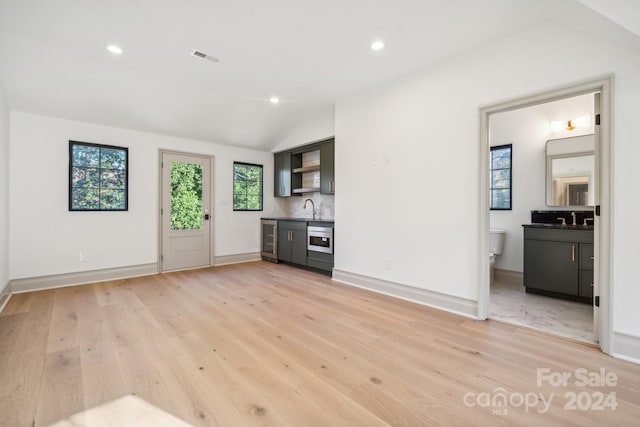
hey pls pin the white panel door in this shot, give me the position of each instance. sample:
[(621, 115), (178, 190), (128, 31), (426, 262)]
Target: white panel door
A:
[(186, 224)]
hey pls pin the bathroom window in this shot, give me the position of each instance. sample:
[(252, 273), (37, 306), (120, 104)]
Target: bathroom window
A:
[(500, 177), (247, 187), (98, 177)]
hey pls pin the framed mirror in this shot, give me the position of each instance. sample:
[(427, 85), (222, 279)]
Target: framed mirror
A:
[(570, 173)]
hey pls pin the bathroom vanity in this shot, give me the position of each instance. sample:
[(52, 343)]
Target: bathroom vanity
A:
[(558, 261)]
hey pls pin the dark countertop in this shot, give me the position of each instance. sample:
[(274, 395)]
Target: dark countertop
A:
[(282, 218), (560, 226)]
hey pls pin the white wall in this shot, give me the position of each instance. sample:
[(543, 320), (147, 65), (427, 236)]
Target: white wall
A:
[(528, 130), (407, 158), (4, 192), (46, 238), (316, 129)]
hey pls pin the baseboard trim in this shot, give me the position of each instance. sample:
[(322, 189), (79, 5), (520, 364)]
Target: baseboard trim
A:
[(626, 347), (5, 296), (237, 258), (462, 306), (508, 276), (80, 278)]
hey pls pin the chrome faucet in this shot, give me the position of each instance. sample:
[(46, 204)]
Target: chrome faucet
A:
[(313, 206), (573, 214)]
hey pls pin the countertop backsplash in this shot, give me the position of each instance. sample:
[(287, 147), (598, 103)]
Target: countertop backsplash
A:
[(292, 206), (551, 217)]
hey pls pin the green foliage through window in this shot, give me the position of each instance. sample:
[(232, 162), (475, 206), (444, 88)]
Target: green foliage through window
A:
[(247, 187), (500, 177), (186, 196), (98, 177)]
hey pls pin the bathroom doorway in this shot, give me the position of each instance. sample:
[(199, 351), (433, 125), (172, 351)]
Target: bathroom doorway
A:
[(526, 124)]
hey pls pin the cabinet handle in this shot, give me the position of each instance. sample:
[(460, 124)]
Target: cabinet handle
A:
[(591, 258), (332, 186), (573, 253), (592, 285)]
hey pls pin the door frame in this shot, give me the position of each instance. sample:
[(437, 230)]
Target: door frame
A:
[(161, 153), (602, 231)]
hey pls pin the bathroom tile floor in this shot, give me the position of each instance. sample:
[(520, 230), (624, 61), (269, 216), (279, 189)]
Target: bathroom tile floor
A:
[(510, 303)]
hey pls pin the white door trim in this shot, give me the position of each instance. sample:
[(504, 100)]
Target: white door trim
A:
[(603, 253), (211, 159)]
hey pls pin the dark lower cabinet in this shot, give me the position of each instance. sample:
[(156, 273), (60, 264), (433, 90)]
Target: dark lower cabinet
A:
[(320, 260), (548, 266), (559, 262), (292, 242)]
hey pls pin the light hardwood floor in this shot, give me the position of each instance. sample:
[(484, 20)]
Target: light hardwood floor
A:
[(266, 344)]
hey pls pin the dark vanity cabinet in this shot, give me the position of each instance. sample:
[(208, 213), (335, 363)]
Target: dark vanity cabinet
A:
[(559, 262), (292, 242), (586, 270)]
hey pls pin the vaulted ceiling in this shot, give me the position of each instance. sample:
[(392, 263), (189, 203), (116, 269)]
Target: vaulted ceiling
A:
[(53, 59)]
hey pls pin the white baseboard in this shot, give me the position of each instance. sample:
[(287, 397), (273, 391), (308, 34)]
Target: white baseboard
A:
[(626, 347), (79, 278), (5, 295), (237, 258), (462, 306)]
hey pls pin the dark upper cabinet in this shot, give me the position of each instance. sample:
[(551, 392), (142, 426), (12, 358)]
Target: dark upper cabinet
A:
[(327, 167), (282, 174), (292, 178)]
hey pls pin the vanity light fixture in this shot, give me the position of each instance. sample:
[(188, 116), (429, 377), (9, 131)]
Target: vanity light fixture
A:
[(274, 100), (578, 122), (116, 50)]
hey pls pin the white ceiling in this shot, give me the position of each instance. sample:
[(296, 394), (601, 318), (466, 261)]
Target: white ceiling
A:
[(309, 53)]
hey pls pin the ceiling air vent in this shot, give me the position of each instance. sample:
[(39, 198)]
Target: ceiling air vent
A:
[(202, 55)]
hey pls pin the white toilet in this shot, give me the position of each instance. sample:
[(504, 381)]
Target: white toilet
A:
[(496, 245)]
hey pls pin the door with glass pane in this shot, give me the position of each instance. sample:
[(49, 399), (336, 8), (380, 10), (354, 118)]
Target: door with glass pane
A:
[(186, 189)]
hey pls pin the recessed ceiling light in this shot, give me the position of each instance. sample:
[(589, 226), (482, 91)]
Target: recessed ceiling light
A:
[(274, 100), (377, 45), (116, 50)]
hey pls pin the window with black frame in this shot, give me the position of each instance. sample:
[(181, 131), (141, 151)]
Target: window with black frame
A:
[(247, 187), (500, 182), (98, 177)]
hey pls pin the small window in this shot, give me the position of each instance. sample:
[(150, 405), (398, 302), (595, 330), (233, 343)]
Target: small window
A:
[(247, 187), (500, 177), (98, 177)]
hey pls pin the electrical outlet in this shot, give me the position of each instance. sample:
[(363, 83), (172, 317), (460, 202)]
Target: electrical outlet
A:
[(83, 256)]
